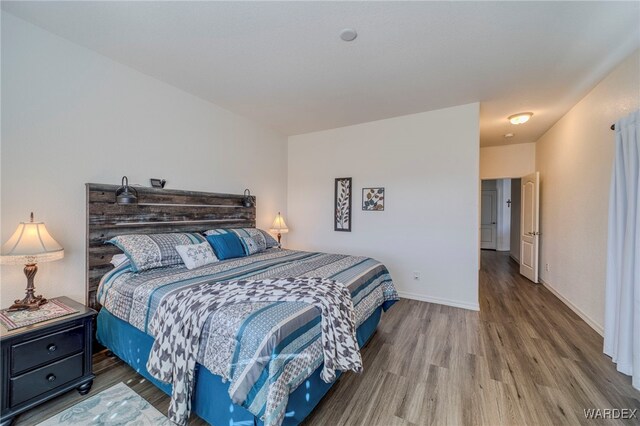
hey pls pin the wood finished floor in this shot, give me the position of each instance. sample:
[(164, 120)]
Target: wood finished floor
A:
[(525, 358)]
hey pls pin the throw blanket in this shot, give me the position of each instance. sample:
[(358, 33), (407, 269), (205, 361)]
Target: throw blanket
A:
[(178, 322)]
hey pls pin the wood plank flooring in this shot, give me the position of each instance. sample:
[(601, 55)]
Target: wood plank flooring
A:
[(524, 359)]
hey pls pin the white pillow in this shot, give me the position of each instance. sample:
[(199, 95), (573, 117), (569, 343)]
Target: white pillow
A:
[(195, 255), (119, 259)]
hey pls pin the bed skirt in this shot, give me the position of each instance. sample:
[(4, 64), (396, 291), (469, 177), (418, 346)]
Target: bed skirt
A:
[(211, 400)]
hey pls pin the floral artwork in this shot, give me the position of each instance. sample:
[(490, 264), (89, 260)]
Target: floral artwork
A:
[(373, 199), (342, 206)]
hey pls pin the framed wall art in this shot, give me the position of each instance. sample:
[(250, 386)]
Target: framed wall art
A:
[(342, 205), (373, 199)]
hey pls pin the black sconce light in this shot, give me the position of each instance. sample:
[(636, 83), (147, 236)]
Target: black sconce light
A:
[(126, 194), (158, 183), (247, 201)]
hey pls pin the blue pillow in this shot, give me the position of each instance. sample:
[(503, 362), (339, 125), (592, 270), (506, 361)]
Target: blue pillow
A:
[(226, 246)]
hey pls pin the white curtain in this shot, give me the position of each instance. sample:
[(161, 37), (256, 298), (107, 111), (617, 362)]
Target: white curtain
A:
[(622, 308)]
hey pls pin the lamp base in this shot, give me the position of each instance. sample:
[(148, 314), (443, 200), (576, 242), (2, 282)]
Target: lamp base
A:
[(31, 301), (31, 304)]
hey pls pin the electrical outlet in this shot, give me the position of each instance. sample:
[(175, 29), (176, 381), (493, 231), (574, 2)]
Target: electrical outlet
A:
[(546, 267), (416, 275)]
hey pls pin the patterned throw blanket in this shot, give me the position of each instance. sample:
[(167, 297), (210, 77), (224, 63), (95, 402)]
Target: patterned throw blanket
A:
[(180, 318)]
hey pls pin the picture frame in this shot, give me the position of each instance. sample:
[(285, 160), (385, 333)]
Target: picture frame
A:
[(342, 205), (373, 199)]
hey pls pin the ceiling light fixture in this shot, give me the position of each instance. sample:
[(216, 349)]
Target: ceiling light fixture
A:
[(348, 34), (521, 117), (509, 135)]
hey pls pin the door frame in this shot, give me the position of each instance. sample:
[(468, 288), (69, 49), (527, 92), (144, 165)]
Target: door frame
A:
[(480, 213)]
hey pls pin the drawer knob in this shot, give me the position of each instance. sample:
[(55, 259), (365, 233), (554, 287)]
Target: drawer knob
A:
[(52, 348), (51, 377)]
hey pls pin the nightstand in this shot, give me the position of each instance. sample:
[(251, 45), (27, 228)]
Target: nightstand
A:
[(44, 360)]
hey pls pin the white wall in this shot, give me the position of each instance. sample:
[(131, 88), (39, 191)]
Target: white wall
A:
[(504, 214), (575, 158), (428, 164), (507, 161), (71, 116)]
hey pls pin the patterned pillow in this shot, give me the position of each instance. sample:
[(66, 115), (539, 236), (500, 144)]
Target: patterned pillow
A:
[(250, 245), (119, 259), (195, 255), (148, 251), (246, 232), (254, 243), (271, 242)]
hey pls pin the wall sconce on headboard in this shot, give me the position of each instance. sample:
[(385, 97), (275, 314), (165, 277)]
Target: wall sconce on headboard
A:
[(247, 201), (125, 194)]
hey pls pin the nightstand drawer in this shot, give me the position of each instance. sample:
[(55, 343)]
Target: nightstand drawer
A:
[(43, 350), (45, 378)]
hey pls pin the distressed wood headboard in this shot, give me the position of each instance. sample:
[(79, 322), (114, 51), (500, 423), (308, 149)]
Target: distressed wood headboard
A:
[(157, 210)]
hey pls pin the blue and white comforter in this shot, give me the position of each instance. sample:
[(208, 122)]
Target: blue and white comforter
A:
[(279, 343)]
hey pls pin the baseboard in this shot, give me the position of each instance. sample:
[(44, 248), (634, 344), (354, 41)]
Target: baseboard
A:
[(514, 258), (439, 301), (597, 327)]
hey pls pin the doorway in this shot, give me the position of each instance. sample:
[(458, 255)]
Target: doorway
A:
[(510, 220), (495, 215)]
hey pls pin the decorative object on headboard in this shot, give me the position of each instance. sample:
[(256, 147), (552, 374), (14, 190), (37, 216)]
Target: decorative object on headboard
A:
[(30, 244), (158, 183), (280, 227), (247, 200), (157, 210), (125, 194)]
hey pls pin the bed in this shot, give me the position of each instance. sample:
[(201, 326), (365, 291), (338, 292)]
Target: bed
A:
[(282, 382)]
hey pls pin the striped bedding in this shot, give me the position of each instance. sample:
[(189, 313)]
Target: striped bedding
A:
[(265, 349)]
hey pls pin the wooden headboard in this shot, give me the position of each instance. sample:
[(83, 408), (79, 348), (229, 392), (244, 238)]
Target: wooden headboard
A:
[(158, 210)]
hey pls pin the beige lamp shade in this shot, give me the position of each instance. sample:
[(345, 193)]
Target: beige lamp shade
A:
[(31, 243), (279, 225)]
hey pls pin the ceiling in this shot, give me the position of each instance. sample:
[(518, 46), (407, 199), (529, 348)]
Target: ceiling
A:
[(283, 64)]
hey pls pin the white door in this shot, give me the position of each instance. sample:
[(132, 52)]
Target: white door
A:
[(530, 226), (488, 219)]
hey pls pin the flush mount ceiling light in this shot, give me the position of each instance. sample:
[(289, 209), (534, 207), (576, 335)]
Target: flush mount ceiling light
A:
[(348, 34), (509, 135), (521, 117)]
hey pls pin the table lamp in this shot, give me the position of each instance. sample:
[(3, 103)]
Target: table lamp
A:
[(29, 245), (279, 226)]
